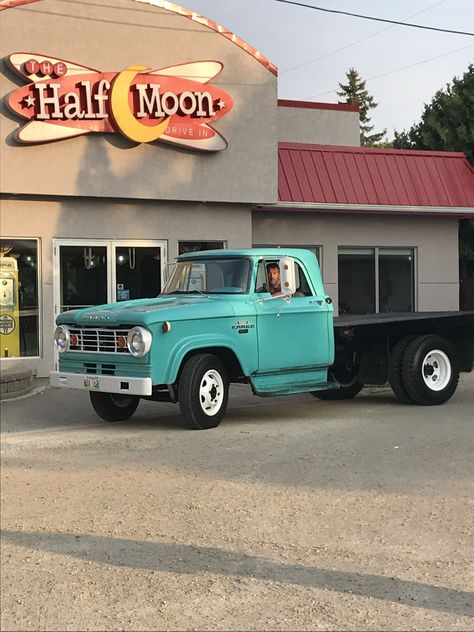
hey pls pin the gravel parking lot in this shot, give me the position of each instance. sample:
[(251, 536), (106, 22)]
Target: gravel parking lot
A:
[(294, 514)]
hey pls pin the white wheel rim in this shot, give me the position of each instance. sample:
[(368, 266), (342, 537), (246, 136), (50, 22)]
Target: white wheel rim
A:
[(211, 392), (436, 370)]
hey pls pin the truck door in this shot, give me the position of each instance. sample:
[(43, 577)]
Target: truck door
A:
[(292, 333)]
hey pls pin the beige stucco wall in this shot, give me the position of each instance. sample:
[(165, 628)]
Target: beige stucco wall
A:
[(435, 240), (104, 219), (113, 35), (318, 126)]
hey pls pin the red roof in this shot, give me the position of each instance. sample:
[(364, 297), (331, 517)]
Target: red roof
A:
[(316, 105), (355, 176)]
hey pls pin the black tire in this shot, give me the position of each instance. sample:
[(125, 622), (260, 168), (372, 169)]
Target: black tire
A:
[(429, 370), (395, 370), (203, 391), (114, 407), (350, 386)]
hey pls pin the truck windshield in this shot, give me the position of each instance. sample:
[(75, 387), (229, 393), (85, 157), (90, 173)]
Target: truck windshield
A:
[(209, 276)]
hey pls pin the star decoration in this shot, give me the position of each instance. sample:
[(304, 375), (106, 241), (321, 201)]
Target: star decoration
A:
[(221, 104), (29, 101)]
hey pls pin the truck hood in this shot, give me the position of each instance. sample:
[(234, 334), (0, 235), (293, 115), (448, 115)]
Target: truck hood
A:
[(148, 311)]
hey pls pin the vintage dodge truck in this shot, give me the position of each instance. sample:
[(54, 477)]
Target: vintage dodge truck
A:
[(216, 322)]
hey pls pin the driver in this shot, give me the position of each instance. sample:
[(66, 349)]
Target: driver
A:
[(274, 282)]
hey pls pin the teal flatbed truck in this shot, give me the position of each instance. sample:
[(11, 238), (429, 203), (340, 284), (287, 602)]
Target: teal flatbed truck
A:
[(216, 322)]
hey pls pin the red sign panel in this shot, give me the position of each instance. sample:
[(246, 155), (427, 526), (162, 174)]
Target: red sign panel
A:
[(176, 104)]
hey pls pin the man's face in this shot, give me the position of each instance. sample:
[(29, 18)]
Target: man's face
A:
[(274, 276)]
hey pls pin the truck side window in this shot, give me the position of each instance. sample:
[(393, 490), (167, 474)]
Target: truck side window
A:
[(302, 285)]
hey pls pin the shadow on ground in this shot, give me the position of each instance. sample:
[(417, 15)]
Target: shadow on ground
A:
[(188, 559)]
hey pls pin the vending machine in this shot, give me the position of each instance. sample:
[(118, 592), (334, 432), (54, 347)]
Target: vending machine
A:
[(9, 308)]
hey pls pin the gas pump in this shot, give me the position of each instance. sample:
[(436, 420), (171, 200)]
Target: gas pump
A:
[(9, 308)]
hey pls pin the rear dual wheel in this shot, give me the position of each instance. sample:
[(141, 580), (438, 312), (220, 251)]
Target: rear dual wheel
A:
[(424, 370), (349, 384), (395, 370)]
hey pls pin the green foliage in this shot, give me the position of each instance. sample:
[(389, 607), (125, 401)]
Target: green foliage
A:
[(355, 93), (447, 123)]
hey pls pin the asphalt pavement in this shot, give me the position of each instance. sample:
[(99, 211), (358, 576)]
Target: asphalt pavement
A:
[(294, 513), (47, 408)]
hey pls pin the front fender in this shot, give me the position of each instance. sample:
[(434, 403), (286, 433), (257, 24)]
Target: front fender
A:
[(246, 357)]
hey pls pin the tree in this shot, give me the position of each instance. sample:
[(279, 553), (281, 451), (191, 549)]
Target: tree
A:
[(355, 93), (447, 123)]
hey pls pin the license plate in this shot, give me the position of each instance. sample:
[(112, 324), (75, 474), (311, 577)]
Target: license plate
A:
[(91, 383)]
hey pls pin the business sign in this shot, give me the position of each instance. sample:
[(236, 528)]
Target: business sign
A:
[(62, 99)]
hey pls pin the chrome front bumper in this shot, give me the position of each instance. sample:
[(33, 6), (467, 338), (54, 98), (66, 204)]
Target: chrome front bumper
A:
[(102, 383)]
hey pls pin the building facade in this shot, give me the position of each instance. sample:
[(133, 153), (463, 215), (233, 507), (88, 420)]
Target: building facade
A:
[(134, 131)]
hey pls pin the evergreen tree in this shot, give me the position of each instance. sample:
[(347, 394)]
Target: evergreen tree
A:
[(355, 93), (447, 123)]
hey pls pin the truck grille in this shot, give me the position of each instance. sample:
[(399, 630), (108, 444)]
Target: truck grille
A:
[(99, 340)]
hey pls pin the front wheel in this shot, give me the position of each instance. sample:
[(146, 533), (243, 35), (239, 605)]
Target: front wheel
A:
[(203, 391), (114, 407), (430, 372)]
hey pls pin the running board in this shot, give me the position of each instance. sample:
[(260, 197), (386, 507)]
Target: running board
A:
[(272, 384)]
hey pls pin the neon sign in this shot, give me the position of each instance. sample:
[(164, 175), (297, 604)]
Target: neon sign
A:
[(176, 104)]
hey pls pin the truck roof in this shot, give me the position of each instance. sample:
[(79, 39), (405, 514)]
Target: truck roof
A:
[(270, 253)]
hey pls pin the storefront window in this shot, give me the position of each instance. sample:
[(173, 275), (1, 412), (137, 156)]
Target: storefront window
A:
[(376, 280), (356, 281), (19, 316), (396, 280), (197, 246)]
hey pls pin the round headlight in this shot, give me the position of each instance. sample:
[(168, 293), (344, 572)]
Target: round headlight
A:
[(62, 338), (138, 341)]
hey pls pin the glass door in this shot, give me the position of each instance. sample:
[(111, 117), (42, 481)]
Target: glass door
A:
[(95, 272), (81, 274), (138, 269)]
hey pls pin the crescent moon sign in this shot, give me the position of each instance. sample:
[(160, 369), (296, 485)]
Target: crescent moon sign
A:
[(124, 117)]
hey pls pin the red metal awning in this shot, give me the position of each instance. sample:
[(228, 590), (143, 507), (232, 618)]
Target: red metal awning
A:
[(374, 180)]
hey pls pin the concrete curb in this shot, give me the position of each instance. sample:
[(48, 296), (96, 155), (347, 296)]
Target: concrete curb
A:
[(15, 383)]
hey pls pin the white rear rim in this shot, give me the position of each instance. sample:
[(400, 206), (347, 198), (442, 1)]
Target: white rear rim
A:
[(436, 370), (211, 392)]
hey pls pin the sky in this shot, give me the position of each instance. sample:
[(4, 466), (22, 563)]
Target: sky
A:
[(314, 50)]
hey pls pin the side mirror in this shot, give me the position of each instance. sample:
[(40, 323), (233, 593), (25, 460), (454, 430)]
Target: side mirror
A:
[(287, 276)]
